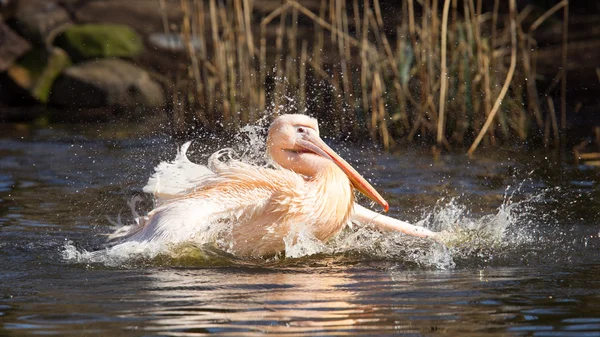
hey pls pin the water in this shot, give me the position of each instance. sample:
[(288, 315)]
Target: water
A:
[(521, 258)]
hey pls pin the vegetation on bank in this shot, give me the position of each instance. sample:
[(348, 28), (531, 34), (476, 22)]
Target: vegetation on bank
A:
[(447, 73)]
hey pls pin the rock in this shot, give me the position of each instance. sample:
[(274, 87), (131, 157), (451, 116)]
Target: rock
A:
[(144, 16), (171, 42), (83, 42), (112, 83), (39, 21), (12, 46), (36, 71), (8, 8)]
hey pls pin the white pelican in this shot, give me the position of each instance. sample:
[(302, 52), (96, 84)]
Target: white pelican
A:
[(311, 189)]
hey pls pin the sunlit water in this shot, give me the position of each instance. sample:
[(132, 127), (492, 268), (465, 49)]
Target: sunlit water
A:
[(520, 258)]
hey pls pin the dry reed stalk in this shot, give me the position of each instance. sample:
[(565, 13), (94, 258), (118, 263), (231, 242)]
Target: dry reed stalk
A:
[(563, 80), (546, 132), (187, 37), (356, 12), (319, 37), (343, 51), (420, 66), (392, 62), (426, 64), (428, 31), (473, 76), (262, 63), (548, 14), (532, 94), (435, 25), (375, 92), (417, 124), (379, 106), (232, 65), (164, 17), (482, 68), (292, 76), (337, 102), (531, 84), (227, 70), (335, 8), (231, 80), (552, 113), (402, 96), (332, 19), (279, 83), (263, 51), (494, 31), (321, 73), (485, 63), (323, 23), (302, 79), (364, 73), (248, 25), (249, 99), (220, 59), (237, 65), (511, 70), (443, 72), (462, 90), (178, 117), (347, 55), (288, 84), (201, 54)]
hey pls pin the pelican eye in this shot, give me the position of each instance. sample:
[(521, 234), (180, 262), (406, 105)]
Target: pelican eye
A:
[(301, 130)]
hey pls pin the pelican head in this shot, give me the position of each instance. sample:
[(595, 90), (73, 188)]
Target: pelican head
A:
[(294, 143)]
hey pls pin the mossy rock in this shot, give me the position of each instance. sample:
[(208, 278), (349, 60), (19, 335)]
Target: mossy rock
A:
[(83, 42), (36, 71)]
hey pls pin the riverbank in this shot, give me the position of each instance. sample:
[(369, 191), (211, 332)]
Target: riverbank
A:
[(210, 66)]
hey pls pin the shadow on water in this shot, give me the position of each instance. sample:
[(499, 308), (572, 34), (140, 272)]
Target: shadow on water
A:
[(521, 255)]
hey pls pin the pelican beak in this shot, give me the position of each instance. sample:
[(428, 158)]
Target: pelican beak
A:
[(315, 144)]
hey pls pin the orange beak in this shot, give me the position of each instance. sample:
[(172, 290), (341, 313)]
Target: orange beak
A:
[(314, 144)]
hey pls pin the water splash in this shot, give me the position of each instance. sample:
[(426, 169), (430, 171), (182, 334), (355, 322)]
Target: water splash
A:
[(476, 239), (467, 239), (125, 255), (250, 141)]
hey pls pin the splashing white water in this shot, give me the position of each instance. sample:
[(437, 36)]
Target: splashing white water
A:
[(251, 141), (121, 255), (465, 236)]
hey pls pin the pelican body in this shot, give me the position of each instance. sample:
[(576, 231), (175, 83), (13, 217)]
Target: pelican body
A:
[(253, 210)]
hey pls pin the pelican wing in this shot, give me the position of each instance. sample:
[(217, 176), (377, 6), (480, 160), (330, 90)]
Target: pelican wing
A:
[(175, 178), (211, 201), (364, 216)]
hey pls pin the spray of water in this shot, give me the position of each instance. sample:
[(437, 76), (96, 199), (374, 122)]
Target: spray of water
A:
[(466, 237)]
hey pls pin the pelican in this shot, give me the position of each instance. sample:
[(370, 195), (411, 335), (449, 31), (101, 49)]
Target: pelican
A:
[(310, 189)]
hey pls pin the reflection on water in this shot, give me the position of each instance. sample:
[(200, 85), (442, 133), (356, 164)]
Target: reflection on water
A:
[(335, 300), (523, 260)]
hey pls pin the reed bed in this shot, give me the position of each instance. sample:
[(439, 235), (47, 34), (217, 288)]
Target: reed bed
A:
[(444, 74)]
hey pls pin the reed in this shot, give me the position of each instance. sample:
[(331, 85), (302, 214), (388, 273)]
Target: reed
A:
[(446, 74)]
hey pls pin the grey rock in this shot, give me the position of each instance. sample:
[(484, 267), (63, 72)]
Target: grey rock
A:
[(171, 42), (40, 21), (12, 46), (111, 83), (8, 8)]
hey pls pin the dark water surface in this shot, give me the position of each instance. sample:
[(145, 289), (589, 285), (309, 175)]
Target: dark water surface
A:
[(523, 259)]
